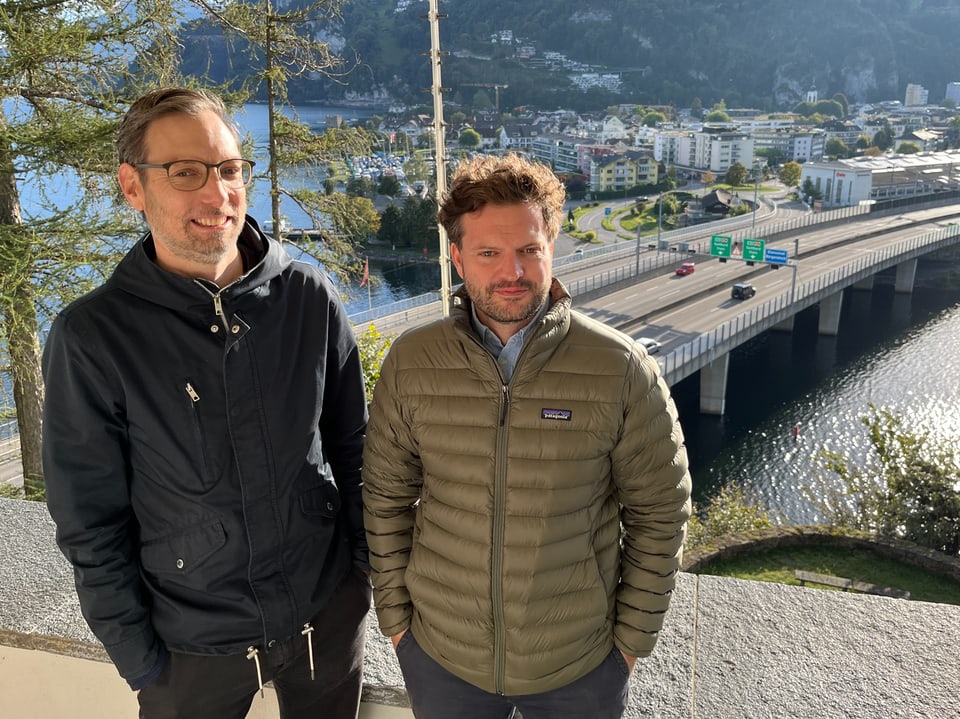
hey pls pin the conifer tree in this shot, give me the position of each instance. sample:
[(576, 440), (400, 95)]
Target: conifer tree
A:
[(281, 48), (68, 69)]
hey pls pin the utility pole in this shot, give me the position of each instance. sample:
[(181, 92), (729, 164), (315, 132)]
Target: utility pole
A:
[(796, 259), (636, 272), (659, 221), (756, 205), (440, 159)]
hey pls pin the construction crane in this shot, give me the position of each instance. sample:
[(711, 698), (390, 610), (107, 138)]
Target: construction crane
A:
[(496, 90)]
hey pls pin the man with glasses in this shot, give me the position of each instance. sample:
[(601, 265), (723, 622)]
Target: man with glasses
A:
[(203, 432)]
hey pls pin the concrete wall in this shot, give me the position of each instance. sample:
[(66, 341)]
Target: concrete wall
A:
[(35, 684)]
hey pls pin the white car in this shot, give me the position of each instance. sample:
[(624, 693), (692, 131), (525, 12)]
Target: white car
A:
[(649, 344)]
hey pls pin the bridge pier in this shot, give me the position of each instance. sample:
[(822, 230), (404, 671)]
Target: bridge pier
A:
[(784, 325), (713, 385), (830, 314), (906, 274)]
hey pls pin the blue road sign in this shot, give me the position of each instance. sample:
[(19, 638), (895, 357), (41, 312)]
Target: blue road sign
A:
[(775, 256)]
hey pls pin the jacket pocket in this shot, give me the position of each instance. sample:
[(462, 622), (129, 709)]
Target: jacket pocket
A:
[(322, 501), (199, 436), (183, 552)]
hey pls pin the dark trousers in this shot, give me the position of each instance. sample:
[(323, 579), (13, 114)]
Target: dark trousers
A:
[(223, 687), (435, 693)]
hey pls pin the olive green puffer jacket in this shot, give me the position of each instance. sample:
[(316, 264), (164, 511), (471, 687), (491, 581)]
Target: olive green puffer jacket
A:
[(494, 511)]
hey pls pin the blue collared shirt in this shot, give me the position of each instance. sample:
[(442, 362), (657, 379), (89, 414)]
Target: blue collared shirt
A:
[(506, 354)]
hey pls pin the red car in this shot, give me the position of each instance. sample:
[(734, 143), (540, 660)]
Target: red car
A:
[(685, 269)]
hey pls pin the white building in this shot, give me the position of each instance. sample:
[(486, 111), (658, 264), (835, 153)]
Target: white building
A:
[(799, 145), (858, 179), (559, 151), (839, 184), (674, 148), (717, 149), (915, 95), (953, 92)]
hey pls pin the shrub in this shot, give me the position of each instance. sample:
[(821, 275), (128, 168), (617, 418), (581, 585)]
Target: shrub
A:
[(373, 348), (731, 511), (908, 489)]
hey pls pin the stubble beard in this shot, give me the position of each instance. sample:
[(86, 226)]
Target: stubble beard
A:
[(200, 248), (486, 301)]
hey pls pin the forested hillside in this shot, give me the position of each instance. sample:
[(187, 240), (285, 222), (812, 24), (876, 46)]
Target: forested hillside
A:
[(750, 53)]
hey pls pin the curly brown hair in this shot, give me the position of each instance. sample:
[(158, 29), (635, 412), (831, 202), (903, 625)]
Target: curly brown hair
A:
[(506, 180)]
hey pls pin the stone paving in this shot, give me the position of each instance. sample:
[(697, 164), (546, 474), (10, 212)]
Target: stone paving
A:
[(730, 649)]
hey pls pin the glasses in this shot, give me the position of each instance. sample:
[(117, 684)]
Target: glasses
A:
[(189, 175)]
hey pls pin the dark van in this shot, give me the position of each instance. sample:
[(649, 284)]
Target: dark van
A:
[(743, 291)]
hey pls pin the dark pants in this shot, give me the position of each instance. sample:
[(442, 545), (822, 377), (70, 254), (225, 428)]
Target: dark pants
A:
[(223, 687), (435, 693)]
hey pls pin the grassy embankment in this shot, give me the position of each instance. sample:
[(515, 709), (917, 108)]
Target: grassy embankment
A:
[(778, 565)]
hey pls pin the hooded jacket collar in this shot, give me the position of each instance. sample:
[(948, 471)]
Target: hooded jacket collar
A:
[(138, 273)]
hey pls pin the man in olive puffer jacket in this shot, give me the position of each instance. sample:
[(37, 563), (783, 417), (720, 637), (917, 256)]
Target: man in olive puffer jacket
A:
[(525, 480)]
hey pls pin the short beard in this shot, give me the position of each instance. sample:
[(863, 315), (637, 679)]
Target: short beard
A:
[(484, 300)]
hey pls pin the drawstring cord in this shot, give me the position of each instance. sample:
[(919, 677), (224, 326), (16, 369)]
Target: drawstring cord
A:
[(253, 653), (308, 631)]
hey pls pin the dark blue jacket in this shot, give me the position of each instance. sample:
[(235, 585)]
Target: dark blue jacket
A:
[(202, 454)]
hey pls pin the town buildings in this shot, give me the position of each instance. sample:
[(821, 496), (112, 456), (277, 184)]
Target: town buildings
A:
[(616, 150)]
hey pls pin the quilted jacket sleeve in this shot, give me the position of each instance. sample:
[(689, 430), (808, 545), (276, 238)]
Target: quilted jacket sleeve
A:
[(653, 483), (392, 479)]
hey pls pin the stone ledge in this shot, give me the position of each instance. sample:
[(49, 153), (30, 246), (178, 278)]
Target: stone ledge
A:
[(386, 695), (736, 545)]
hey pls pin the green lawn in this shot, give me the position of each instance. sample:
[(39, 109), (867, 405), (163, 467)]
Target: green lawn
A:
[(778, 565)]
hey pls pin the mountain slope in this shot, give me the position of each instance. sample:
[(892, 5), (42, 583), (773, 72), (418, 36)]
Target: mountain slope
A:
[(757, 53)]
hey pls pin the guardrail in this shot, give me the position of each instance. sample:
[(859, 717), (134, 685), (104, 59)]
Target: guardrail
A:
[(8, 429), (702, 350), (9, 442)]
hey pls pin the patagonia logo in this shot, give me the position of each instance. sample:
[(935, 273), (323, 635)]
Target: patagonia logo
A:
[(564, 415)]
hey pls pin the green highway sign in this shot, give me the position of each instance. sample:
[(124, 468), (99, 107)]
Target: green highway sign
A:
[(720, 246), (753, 250)]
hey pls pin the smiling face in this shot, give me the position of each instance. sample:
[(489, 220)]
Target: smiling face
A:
[(195, 233), (505, 260)]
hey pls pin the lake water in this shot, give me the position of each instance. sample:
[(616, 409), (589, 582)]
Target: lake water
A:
[(253, 120), (899, 352)]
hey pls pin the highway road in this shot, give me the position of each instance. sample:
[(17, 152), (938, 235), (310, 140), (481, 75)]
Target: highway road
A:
[(781, 222), (674, 309)]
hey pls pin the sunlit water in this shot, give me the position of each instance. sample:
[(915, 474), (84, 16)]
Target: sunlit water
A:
[(899, 352)]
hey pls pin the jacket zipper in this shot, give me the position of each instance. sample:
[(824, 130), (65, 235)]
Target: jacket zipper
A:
[(500, 489), (496, 569), (217, 302), (218, 311)]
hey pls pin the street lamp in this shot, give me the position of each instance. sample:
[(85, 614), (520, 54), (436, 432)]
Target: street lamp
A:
[(659, 218), (640, 224), (756, 204), (660, 215), (636, 272)]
